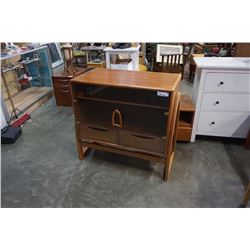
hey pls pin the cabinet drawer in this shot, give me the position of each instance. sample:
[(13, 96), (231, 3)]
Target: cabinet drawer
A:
[(224, 123), (152, 144), (225, 102), (97, 132), (61, 83), (184, 134), (63, 97), (227, 82)]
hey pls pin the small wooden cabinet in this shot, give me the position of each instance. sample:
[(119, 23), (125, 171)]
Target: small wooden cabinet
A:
[(62, 87), (127, 112)]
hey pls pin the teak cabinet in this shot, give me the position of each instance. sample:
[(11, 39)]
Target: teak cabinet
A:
[(127, 112)]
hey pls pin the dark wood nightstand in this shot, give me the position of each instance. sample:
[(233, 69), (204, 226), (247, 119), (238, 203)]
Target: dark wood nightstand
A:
[(62, 87)]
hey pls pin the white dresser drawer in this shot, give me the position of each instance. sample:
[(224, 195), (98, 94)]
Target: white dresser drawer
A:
[(224, 123), (225, 102), (227, 82)]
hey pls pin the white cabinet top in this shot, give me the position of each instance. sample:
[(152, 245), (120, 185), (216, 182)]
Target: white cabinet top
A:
[(223, 62), (127, 50)]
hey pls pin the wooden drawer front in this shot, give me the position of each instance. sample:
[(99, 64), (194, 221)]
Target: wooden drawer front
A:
[(184, 134), (97, 132), (225, 102), (150, 144), (63, 97), (61, 83), (227, 82), (224, 123)]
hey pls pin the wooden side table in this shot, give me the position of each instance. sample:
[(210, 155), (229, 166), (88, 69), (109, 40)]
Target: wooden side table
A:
[(62, 87)]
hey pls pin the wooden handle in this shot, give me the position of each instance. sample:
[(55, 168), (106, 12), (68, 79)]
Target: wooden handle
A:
[(117, 112)]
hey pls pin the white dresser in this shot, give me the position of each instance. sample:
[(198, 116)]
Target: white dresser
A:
[(221, 95)]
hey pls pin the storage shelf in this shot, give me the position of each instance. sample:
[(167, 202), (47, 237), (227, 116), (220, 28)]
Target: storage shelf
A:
[(12, 68), (121, 102), (30, 61), (182, 123)]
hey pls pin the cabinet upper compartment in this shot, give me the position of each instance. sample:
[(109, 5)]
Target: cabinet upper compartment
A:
[(130, 79)]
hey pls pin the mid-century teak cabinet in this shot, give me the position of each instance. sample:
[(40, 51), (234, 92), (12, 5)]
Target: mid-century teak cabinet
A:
[(127, 112)]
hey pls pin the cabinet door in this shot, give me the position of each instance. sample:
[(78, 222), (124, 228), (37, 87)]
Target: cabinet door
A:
[(94, 119), (143, 129)]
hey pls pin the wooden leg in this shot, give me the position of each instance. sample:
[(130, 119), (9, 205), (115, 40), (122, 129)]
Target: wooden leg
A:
[(166, 172), (81, 151), (247, 143), (246, 197), (168, 166)]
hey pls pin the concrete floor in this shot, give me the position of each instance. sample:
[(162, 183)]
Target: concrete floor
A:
[(42, 169)]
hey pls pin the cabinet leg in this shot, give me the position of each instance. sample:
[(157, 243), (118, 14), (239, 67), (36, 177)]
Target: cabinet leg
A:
[(166, 172), (168, 166), (246, 197), (81, 150)]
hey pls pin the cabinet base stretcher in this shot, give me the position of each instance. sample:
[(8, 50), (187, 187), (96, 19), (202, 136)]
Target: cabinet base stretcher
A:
[(83, 148)]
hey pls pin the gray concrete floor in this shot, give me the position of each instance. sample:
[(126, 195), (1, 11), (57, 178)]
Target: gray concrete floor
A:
[(42, 169)]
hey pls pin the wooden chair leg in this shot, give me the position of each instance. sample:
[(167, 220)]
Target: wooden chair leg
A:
[(246, 197)]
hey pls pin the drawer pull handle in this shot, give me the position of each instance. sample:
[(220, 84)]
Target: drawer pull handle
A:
[(221, 83), (217, 102), (143, 136), (115, 113), (65, 91), (64, 85), (212, 123), (98, 129)]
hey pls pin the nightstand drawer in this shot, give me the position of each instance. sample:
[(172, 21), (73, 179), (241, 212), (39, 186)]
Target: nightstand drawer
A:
[(224, 123), (225, 102), (227, 82), (63, 97), (60, 83)]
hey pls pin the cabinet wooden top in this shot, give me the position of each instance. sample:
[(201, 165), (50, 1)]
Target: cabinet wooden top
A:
[(130, 79)]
